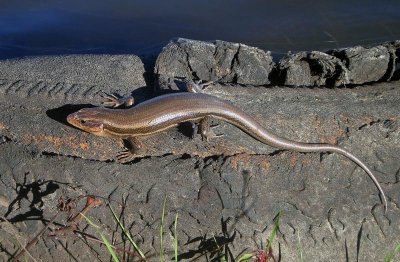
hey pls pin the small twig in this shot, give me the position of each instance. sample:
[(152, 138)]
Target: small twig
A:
[(36, 238), (91, 202), (22, 245), (63, 230), (85, 236), (70, 205)]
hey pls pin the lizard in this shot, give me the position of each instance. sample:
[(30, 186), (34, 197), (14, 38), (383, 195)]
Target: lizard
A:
[(169, 110)]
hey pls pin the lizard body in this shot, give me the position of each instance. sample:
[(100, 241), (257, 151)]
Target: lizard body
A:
[(166, 111)]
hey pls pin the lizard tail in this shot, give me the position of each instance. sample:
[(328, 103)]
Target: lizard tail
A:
[(250, 126)]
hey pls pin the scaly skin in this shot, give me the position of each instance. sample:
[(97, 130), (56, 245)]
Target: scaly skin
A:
[(166, 111)]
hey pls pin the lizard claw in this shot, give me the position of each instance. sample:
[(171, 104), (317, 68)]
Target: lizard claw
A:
[(204, 85), (125, 156), (115, 100), (196, 86), (209, 134)]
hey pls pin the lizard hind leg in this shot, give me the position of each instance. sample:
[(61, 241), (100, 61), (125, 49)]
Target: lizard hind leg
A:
[(134, 148), (196, 87), (205, 129)]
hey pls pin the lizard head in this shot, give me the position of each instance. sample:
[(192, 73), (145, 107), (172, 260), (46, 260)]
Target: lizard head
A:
[(89, 120)]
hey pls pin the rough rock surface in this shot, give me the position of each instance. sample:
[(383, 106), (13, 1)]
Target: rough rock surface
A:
[(111, 72), (355, 65), (227, 192), (395, 51), (312, 69), (240, 64), (218, 61), (365, 64)]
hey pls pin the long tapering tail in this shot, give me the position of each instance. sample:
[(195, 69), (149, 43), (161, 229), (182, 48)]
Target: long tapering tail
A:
[(249, 125)]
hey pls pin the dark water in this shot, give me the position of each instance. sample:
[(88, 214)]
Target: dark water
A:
[(89, 26)]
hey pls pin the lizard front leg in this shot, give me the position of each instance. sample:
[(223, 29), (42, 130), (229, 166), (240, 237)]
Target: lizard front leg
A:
[(135, 148)]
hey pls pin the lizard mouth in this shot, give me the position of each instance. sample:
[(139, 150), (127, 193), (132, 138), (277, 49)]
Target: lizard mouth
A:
[(89, 126), (72, 119)]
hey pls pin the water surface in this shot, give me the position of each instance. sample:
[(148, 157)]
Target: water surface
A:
[(118, 27)]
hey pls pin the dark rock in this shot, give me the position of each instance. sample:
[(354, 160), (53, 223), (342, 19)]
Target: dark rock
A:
[(227, 190), (355, 65), (322, 199), (394, 49), (121, 73), (294, 70), (364, 65), (218, 61), (47, 89), (311, 69), (226, 62)]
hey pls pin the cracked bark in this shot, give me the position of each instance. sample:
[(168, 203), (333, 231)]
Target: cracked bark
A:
[(234, 177)]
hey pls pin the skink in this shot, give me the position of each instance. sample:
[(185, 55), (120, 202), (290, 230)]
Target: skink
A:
[(166, 111)]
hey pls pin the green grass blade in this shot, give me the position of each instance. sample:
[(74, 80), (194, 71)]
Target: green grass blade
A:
[(176, 238), (221, 255), (390, 256), (90, 222), (245, 257), (216, 242), (103, 238), (109, 247), (299, 247), (126, 233), (273, 233), (161, 231)]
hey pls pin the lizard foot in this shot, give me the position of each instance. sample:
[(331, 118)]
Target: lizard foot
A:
[(115, 100), (196, 87), (134, 148), (126, 156), (206, 129), (210, 135)]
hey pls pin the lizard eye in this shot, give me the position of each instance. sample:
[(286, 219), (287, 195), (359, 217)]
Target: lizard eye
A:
[(82, 121)]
